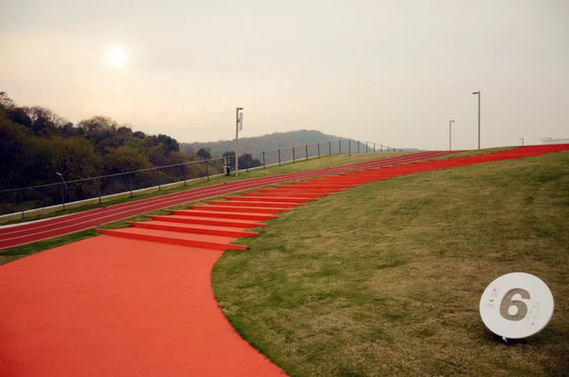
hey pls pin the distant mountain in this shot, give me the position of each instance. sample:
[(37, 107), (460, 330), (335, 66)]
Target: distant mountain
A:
[(277, 140)]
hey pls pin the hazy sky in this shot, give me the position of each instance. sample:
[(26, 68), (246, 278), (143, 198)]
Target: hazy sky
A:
[(391, 72)]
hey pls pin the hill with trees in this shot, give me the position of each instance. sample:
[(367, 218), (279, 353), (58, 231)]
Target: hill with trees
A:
[(277, 140), (35, 143), (274, 141)]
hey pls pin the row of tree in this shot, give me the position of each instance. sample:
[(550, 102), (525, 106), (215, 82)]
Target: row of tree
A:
[(35, 143)]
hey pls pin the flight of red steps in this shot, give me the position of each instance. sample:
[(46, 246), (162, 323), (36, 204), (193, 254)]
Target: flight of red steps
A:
[(218, 223)]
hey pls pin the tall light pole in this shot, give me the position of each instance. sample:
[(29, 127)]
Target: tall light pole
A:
[(238, 126), (522, 139), (66, 189), (450, 122), (478, 93)]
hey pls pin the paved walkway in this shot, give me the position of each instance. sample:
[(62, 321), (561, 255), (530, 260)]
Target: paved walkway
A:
[(110, 306)]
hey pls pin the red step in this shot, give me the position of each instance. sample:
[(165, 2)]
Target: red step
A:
[(352, 180), (282, 199), (224, 215), (175, 238), (292, 194), (249, 209), (322, 186), (247, 203), (239, 224), (192, 228), (300, 189)]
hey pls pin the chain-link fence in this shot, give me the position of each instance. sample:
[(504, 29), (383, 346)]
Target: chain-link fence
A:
[(65, 192)]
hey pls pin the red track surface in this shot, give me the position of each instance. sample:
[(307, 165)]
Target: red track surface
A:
[(116, 307), (124, 306), (26, 233)]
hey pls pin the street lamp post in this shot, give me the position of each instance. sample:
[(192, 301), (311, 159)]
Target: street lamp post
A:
[(450, 122), (62, 192), (522, 139), (238, 126), (478, 93)]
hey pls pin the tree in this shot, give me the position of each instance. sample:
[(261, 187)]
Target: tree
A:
[(247, 162), (5, 101), (19, 115), (75, 157), (157, 156), (97, 125), (13, 138), (102, 131), (204, 153), (69, 130), (25, 159), (125, 158), (169, 144), (44, 121), (177, 158), (123, 134)]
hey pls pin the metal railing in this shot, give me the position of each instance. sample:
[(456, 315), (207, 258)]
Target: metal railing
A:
[(25, 199)]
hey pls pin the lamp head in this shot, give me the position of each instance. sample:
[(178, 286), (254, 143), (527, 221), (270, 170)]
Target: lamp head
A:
[(476, 92), (239, 108), (58, 173)]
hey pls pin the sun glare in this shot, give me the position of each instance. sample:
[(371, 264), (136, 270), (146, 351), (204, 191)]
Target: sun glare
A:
[(118, 57)]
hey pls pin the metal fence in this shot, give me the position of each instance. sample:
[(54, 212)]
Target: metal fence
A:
[(61, 193)]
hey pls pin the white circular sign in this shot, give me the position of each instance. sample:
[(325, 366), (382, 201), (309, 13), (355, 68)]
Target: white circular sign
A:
[(516, 305)]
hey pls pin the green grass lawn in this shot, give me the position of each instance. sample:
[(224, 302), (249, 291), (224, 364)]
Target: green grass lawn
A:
[(385, 279), (474, 152)]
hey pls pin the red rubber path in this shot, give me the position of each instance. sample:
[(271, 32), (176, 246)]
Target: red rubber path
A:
[(109, 306)]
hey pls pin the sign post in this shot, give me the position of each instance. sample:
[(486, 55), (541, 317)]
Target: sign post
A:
[(238, 127), (516, 305)]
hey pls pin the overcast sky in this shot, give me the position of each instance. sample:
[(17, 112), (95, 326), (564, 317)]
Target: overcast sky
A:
[(392, 72)]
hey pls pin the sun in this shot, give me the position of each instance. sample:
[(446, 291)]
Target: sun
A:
[(118, 57)]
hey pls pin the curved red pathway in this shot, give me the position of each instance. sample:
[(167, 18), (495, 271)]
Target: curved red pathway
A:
[(116, 307), (140, 303)]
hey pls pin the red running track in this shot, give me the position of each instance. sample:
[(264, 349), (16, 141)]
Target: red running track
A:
[(31, 232), (108, 306)]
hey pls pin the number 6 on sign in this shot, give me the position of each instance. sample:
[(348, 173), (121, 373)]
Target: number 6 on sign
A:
[(516, 305), (508, 304)]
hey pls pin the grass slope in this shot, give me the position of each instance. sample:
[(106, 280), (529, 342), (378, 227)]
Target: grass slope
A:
[(385, 279)]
